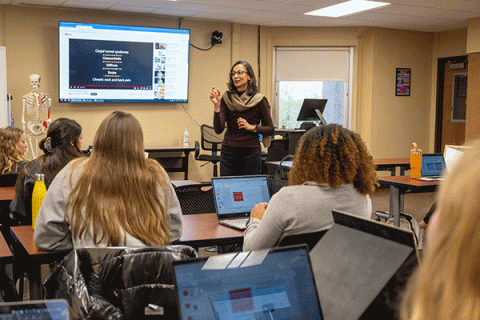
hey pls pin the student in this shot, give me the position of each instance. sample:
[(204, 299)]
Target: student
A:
[(60, 146), (246, 114), (12, 150), (446, 285), (332, 169), (115, 197)]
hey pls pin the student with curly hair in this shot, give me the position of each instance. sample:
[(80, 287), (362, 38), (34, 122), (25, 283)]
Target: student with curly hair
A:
[(332, 169), (115, 197), (60, 146), (12, 150), (446, 284)]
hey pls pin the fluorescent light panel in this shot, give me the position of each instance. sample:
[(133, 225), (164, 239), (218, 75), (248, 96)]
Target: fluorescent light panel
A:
[(346, 8)]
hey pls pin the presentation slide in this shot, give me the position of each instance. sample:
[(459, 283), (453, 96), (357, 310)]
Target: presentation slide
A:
[(113, 63), (110, 64)]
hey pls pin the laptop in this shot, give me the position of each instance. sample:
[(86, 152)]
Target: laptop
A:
[(235, 197), (56, 309), (452, 154), (433, 167), (274, 283), (354, 262)]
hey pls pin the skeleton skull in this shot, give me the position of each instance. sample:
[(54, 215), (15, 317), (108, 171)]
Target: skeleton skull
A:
[(35, 80)]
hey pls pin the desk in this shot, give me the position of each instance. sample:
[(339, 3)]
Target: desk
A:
[(168, 161), (32, 258), (6, 255), (203, 230), (7, 193), (399, 186), (392, 165), (380, 164), (199, 230)]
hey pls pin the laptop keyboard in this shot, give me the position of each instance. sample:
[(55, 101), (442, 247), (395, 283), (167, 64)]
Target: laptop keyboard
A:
[(239, 223)]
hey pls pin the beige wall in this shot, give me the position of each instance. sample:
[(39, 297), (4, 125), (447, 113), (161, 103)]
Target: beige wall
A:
[(387, 123)]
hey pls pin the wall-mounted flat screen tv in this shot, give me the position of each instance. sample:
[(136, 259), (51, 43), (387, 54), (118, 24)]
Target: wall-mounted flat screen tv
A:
[(113, 63)]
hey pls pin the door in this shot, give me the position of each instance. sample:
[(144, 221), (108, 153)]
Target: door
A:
[(451, 102)]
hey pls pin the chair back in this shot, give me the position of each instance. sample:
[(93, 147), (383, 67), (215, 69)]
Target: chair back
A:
[(118, 283), (211, 141), (196, 198), (8, 180), (310, 239)]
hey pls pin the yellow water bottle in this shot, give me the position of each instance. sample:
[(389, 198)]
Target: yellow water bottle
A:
[(415, 162), (39, 191)]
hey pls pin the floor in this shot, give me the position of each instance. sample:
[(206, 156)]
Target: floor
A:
[(416, 204)]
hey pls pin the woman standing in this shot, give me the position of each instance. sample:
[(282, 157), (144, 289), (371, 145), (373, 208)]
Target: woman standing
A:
[(62, 144), (115, 197), (246, 114), (12, 150)]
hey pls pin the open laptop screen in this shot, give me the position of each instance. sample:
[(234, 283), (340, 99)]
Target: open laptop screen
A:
[(433, 164), (268, 284), (55, 309), (237, 195)]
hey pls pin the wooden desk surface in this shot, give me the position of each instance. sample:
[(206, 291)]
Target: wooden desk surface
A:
[(7, 193), (24, 235), (392, 161), (6, 255), (170, 149), (206, 227), (407, 183)]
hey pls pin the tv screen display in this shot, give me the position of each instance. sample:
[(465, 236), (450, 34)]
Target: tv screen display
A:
[(113, 63)]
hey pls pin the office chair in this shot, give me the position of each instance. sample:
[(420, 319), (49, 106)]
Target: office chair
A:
[(8, 180), (310, 239), (196, 198), (210, 141)]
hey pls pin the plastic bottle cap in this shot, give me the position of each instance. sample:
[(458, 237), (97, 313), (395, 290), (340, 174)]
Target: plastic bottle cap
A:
[(39, 176)]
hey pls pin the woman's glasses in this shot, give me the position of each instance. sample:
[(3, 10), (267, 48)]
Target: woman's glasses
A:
[(233, 73)]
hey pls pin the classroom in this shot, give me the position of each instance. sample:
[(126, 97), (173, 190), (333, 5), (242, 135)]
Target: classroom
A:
[(387, 123)]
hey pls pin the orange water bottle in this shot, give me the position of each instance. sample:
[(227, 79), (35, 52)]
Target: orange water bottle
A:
[(415, 162), (39, 191)]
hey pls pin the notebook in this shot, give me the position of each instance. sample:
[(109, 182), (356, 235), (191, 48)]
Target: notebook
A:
[(433, 167), (55, 309), (235, 197), (274, 283)]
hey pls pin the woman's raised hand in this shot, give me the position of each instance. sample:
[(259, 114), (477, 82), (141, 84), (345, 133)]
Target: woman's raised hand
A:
[(216, 97)]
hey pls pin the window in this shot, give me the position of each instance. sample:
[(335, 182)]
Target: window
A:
[(322, 73)]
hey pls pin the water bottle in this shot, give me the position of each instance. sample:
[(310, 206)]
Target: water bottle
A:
[(39, 191), (186, 138)]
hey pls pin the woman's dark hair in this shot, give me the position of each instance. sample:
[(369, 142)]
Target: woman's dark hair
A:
[(59, 147), (252, 84)]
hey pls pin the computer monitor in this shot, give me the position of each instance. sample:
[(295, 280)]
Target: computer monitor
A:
[(312, 110)]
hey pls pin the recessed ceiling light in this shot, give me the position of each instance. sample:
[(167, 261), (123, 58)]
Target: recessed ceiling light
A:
[(346, 8)]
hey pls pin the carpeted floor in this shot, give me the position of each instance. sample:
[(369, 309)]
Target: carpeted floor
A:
[(416, 204)]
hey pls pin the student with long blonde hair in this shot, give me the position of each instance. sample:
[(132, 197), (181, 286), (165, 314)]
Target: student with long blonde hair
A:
[(12, 150), (116, 197), (447, 283)]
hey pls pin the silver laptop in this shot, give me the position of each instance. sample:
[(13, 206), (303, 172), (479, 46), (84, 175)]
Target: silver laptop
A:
[(56, 309), (433, 167), (235, 197), (274, 283)]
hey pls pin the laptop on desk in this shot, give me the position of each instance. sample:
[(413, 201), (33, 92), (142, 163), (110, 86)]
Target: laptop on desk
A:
[(235, 197), (433, 167), (274, 283), (55, 309)]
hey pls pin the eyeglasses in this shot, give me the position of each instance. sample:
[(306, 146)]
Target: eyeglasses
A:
[(233, 73)]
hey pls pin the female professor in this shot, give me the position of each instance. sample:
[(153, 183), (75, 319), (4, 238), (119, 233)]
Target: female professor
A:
[(246, 113)]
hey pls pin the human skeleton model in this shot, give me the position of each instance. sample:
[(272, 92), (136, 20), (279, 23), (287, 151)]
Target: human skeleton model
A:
[(37, 106)]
